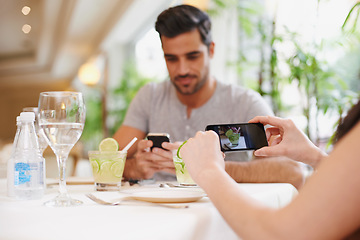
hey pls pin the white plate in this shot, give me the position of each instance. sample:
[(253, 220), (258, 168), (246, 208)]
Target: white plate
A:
[(168, 196)]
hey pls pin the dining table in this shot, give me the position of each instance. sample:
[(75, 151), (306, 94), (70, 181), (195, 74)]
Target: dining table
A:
[(137, 219)]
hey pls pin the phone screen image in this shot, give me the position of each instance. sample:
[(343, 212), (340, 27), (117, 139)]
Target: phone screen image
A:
[(241, 136)]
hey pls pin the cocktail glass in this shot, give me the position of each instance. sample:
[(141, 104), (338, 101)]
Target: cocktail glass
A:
[(108, 168), (182, 175), (234, 139)]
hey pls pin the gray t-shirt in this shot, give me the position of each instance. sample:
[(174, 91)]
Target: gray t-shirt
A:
[(156, 108)]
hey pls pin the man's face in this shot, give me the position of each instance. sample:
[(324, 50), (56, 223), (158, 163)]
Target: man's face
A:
[(187, 60)]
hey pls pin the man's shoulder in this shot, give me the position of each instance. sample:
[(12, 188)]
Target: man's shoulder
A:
[(236, 90), (245, 100)]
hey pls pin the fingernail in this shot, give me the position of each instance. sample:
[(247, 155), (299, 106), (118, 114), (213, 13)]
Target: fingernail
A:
[(257, 153)]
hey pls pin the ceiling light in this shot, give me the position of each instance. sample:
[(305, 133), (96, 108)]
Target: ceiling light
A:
[(26, 10), (89, 74), (26, 28)]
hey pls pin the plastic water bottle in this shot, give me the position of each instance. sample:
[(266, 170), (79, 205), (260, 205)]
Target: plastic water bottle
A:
[(29, 165), (10, 163)]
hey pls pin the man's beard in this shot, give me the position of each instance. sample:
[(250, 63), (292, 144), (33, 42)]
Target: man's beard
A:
[(196, 88)]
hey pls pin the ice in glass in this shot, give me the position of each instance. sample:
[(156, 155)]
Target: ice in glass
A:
[(108, 168), (182, 175)]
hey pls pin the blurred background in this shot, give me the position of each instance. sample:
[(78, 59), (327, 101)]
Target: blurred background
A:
[(303, 56)]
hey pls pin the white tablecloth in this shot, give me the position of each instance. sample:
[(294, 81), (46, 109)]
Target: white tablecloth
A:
[(31, 220)]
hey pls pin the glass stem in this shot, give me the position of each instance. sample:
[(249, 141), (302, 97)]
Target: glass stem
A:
[(61, 159)]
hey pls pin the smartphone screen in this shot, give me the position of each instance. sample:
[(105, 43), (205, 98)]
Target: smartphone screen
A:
[(158, 139), (240, 136)]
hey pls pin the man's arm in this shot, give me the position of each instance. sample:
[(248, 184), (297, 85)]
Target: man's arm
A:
[(267, 170), (123, 136), (141, 162)]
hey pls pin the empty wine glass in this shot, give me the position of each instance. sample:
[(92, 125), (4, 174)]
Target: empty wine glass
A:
[(39, 132), (62, 118)]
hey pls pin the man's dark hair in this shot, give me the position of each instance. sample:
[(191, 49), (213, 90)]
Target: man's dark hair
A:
[(181, 19)]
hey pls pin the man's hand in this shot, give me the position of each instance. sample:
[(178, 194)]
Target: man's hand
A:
[(145, 163)]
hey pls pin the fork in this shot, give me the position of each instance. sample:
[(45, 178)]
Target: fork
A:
[(100, 201)]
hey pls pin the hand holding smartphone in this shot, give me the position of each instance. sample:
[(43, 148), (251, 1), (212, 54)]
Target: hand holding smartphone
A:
[(158, 139), (240, 136)]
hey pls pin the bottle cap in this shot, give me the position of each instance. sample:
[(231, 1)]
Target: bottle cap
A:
[(27, 116), (30, 109)]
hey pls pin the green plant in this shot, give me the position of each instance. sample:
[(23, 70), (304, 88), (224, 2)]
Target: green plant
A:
[(118, 101), (247, 13), (269, 66), (122, 95), (323, 88), (92, 133), (314, 79), (355, 10)]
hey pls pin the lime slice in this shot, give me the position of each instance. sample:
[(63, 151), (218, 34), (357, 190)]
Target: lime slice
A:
[(105, 168), (178, 151), (229, 133), (105, 165), (179, 167), (109, 144), (95, 166), (117, 169)]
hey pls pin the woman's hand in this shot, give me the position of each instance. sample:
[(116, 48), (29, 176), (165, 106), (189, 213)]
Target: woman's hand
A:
[(201, 154), (285, 139)]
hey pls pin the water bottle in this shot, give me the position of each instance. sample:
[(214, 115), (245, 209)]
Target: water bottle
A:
[(10, 163), (29, 165)]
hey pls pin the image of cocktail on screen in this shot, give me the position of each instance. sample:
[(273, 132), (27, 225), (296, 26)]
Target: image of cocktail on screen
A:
[(232, 137)]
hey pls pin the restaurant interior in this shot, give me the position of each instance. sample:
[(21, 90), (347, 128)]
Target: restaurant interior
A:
[(44, 44), (92, 46), (301, 56)]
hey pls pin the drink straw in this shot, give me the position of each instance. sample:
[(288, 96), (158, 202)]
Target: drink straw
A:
[(129, 144)]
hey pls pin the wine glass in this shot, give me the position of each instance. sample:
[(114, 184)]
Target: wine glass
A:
[(39, 132), (62, 118)]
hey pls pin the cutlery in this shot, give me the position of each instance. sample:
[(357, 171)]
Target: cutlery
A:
[(167, 185), (121, 202)]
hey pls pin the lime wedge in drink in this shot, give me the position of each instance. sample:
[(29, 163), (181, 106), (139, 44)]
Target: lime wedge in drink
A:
[(179, 167), (117, 169), (229, 133), (105, 165), (105, 168), (178, 151), (95, 165), (109, 144)]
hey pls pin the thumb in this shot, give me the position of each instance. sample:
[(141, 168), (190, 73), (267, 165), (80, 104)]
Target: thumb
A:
[(266, 152)]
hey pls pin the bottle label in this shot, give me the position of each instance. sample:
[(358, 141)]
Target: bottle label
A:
[(28, 172), (21, 174)]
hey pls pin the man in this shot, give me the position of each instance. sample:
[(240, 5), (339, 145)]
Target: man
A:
[(190, 101)]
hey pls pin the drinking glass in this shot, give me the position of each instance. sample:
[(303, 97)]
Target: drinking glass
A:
[(182, 175), (62, 118), (108, 168), (39, 132)]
